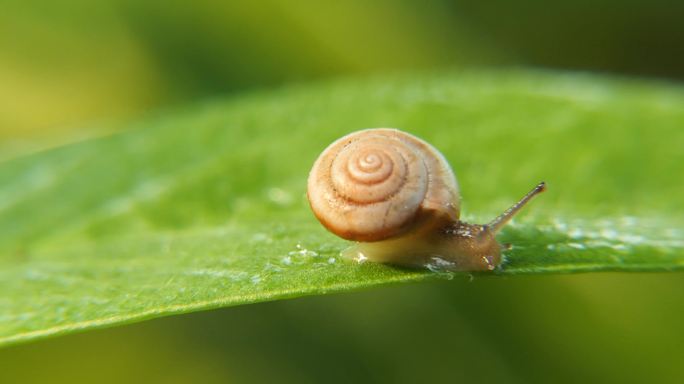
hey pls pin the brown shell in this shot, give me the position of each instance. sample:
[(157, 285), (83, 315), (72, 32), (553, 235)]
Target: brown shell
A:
[(375, 184)]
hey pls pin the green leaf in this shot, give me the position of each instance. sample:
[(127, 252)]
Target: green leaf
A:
[(206, 208)]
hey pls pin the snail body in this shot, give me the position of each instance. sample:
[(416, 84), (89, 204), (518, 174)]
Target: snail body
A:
[(397, 196)]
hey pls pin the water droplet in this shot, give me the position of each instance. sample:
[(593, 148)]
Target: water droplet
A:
[(272, 268), (489, 260), (437, 264), (357, 256), (261, 238), (631, 238), (609, 233), (279, 196), (619, 247), (221, 274), (302, 252), (561, 226)]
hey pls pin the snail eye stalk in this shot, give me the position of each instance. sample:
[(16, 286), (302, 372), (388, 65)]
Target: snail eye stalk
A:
[(498, 223)]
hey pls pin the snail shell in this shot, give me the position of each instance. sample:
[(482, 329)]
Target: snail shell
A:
[(376, 184)]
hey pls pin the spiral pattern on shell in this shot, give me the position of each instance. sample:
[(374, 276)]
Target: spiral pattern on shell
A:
[(373, 184)]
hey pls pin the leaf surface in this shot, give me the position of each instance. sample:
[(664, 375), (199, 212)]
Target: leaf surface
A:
[(206, 207)]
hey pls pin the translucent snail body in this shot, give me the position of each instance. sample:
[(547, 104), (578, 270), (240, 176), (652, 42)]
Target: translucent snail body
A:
[(398, 198)]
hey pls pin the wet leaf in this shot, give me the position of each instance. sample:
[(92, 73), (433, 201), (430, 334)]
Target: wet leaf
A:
[(205, 208)]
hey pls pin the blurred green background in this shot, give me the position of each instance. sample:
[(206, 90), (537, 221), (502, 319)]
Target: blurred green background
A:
[(72, 69), (85, 65)]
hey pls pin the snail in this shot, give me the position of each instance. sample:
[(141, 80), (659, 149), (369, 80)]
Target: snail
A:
[(397, 197)]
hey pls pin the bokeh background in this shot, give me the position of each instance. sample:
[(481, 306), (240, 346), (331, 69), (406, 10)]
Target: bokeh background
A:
[(72, 69)]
